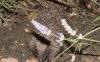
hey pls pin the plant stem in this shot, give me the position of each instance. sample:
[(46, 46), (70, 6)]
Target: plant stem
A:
[(54, 35), (95, 1), (91, 32), (64, 50), (91, 40)]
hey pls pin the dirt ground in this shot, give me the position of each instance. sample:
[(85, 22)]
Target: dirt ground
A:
[(14, 39)]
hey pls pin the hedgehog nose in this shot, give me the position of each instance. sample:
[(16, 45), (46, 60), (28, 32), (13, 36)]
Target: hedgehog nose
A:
[(40, 60)]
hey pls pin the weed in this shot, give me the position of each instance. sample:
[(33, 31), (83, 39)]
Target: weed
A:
[(72, 32), (7, 3), (96, 19), (95, 1), (1, 16)]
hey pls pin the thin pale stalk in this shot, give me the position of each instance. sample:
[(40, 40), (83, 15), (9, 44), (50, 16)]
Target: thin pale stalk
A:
[(64, 51), (91, 40), (91, 32)]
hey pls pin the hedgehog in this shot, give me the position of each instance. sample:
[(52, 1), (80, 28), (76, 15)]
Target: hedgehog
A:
[(45, 47)]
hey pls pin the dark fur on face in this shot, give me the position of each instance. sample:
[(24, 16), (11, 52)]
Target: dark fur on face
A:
[(40, 47)]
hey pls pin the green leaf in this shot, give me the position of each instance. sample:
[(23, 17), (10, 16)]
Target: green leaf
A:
[(1, 16), (4, 5), (98, 18), (80, 44), (95, 1)]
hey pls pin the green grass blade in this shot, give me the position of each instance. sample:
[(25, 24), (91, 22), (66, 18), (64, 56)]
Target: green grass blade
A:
[(1, 16), (3, 4), (95, 1), (98, 18), (91, 32)]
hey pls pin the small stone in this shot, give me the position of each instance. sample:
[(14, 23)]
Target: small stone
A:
[(27, 30), (9, 60)]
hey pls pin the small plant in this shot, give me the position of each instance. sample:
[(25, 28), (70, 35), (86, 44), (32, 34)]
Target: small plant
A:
[(3, 3), (12, 4), (98, 18), (1, 16), (95, 1), (7, 3), (44, 30)]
